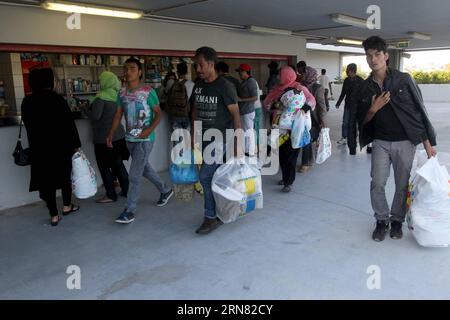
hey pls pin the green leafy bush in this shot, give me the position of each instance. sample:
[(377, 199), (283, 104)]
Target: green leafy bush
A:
[(432, 77)]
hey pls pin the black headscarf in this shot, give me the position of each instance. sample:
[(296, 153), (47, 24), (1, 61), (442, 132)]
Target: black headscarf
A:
[(41, 79)]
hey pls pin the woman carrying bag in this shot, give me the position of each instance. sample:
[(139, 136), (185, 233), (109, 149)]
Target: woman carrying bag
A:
[(109, 160), (288, 155), (53, 139)]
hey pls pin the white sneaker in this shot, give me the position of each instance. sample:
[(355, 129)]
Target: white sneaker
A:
[(342, 141)]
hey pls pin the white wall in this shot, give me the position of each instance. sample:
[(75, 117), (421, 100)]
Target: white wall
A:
[(324, 60), (435, 92)]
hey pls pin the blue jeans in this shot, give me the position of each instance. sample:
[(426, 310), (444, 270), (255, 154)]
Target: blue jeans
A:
[(345, 122), (140, 167), (206, 174)]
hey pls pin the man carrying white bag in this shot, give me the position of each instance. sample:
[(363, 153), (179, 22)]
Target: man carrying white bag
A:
[(237, 189), (84, 180), (429, 205)]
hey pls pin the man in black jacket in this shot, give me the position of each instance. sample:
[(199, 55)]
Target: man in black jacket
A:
[(389, 109), (352, 82)]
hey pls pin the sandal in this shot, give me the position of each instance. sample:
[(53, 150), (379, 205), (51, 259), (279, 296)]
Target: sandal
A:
[(73, 208), (303, 169), (105, 200), (55, 223)]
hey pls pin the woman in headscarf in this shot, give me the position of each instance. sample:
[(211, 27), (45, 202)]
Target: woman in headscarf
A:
[(109, 160), (53, 139), (288, 155), (309, 79)]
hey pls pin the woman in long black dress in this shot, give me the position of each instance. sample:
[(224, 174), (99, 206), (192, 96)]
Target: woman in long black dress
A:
[(53, 139)]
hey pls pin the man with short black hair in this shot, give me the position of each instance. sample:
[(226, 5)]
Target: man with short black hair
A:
[(177, 104), (140, 105), (351, 83), (390, 112), (223, 70), (214, 103)]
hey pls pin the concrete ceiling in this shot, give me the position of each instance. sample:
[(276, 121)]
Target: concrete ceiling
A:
[(310, 17)]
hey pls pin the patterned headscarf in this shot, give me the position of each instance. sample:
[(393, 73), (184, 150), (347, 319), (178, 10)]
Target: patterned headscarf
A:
[(310, 76)]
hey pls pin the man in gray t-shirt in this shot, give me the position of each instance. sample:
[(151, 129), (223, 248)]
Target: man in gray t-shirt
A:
[(247, 96)]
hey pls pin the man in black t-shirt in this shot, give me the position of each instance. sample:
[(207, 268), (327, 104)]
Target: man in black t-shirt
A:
[(214, 104), (390, 112)]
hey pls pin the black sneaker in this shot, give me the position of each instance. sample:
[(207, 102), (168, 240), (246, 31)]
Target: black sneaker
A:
[(380, 231), (396, 230), (165, 198), (209, 225), (125, 217), (369, 150), (286, 189)]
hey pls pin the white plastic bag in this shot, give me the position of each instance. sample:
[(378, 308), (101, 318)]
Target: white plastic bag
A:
[(293, 101), (324, 146), (429, 205), (84, 180), (237, 189), (300, 135)]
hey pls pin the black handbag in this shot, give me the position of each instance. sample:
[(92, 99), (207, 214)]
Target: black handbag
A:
[(22, 157)]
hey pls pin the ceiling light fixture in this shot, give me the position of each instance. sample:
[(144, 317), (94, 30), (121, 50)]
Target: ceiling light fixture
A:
[(72, 7), (270, 30), (353, 21), (350, 41), (419, 35)]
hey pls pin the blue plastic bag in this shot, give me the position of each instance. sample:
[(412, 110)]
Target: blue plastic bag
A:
[(183, 172)]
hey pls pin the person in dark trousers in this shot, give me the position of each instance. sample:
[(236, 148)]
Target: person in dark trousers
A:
[(53, 139), (109, 160), (214, 103), (389, 109), (325, 82), (352, 82), (223, 69), (288, 155), (309, 79)]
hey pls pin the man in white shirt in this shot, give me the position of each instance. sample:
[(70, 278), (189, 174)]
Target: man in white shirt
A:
[(325, 82)]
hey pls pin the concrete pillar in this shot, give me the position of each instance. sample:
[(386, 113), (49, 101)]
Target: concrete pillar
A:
[(395, 59)]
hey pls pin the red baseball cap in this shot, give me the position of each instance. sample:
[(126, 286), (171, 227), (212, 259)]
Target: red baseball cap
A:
[(244, 67)]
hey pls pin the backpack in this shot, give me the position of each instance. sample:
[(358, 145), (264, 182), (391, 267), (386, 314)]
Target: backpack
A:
[(177, 104)]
